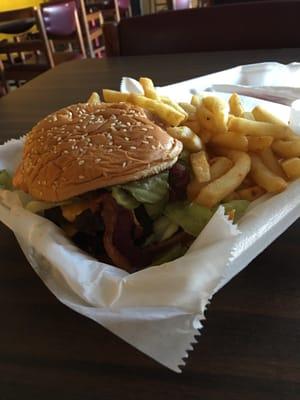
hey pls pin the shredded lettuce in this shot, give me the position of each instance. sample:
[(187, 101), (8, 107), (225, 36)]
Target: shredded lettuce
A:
[(149, 190), (37, 207), (155, 210), (191, 217), (239, 207), (5, 180), (124, 198), (171, 254), (164, 228)]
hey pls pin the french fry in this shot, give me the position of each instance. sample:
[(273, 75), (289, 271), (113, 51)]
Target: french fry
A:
[(259, 143), (292, 167), (190, 140), (164, 111), (193, 125), (205, 135), (231, 140), (287, 148), (218, 108), (196, 100), (94, 99), (235, 105), (271, 162), (189, 109), (176, 106), (252, 193), (200, 166), (248, 115), (264, 177), (217, 190), (219, 166), (113, 96), (193, 189), (230, 197), (247, 182), (257, 128), (261, 114), (149, 89)]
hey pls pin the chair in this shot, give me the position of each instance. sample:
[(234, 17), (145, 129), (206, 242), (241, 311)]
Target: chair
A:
[(229, 27), (112, 10), (26, 56), (91, 25), (63, 31), (181, 4)]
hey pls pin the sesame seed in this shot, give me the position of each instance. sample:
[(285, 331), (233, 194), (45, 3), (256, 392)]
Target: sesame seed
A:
[(110, 143), (66, 152), (153, 147), (145, 142), (133, 147), (144, 129), (98, 160), (81, 162), (81, 177), (149, 137), (126, 138), (109, 150), (124, 164)]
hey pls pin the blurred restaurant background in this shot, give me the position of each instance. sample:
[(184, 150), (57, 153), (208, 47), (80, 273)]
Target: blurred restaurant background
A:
[(38, 35)]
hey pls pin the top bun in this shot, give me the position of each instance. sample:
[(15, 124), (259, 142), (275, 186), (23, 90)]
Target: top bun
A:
[(85, 147)]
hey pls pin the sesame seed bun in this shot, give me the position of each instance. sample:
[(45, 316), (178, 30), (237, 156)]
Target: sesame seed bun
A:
[(85, 147)]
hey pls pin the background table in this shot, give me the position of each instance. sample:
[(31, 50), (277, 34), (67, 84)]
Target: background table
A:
[(250, 344)]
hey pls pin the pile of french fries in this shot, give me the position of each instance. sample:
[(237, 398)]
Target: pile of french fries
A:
[(234, 154)]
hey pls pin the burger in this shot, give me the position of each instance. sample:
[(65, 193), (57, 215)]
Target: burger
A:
[(113, 179)]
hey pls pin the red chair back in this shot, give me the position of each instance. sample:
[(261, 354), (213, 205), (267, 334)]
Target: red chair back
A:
[(59, 19)]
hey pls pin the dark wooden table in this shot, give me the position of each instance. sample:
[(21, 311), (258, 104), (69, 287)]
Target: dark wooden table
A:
[(250, 344)]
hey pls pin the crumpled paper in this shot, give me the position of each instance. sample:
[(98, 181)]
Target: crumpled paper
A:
[(157, 310)]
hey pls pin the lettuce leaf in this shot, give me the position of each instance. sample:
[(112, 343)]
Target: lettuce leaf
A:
[(5, 180), (171, 254), (191, 217), (155, 210), (124, 198), (164, 228), (149, 190), (239, 206), (37, 207)]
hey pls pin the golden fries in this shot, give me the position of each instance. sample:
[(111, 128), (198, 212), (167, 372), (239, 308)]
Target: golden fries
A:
[(292, 167), (149, 89), (252, 193), (260, 114), (214, 192), (235, 153), (193, 189), (219, 166), (164, 111), (257, 128), (189, 109), (190, 140), (259, 143), (231, 140), (214, 108), (271, 162), (176, 106), (200, 166), (235, 105), (196, 100), (94, 99), (113, 96), (264, 177), (287, 148)]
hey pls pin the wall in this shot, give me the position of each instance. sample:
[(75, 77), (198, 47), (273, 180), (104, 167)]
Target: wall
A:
[(14, 4)]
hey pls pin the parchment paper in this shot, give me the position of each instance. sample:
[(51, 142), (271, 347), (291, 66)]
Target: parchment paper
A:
[(157, 310)]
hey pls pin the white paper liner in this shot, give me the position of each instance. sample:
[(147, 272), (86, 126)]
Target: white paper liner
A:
[(157, 310)]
